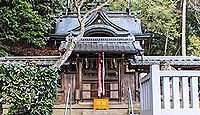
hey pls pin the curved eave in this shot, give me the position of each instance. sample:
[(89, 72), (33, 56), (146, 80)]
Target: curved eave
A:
[(62, 37), (102, 27)]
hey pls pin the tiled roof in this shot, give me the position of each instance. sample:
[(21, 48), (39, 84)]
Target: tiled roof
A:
[(174, 60), (39, 60), (111, 45), (125, 21)]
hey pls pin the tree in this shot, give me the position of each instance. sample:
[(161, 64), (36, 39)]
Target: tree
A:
[(183, 43), (27, 21), (21, 23), (118, 5), (193, 45), (161, 18), (82, 19), (193, 28)]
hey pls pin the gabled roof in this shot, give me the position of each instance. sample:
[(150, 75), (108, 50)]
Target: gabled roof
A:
[(100, 18), (122, 24)]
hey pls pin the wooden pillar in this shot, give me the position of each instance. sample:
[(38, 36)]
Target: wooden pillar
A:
[(121, 79), (73, 87), (78, 80), (77, 72), (137, 95)]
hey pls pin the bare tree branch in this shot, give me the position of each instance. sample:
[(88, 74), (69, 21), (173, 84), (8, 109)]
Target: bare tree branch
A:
[(75, 40), (166, 43)]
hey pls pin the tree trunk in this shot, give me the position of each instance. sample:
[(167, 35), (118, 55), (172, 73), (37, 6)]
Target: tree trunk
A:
[(184, 28)]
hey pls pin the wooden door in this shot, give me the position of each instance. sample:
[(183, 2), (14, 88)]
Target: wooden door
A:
[(90, 90), (90, 82)]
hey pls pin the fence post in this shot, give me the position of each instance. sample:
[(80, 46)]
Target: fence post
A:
[(141, 95), (155, 90)]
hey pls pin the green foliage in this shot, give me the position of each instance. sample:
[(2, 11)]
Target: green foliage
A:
[(27, 21), (30, 90), (193, 45), (118, 5), (193, 30), (4, 50), (21, 23), (3, 53), (193, 21), (161, 18)]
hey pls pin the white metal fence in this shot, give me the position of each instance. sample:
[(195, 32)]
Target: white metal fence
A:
[(170, 92)]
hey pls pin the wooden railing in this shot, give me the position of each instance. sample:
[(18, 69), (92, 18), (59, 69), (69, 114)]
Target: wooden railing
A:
[(170, 92)]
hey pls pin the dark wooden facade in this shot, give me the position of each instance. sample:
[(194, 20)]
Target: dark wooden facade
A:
[(84, 82)]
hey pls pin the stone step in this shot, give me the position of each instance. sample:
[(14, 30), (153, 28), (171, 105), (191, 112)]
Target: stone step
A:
[(105, 112), (90, 106), (94, 112), (87, 109)]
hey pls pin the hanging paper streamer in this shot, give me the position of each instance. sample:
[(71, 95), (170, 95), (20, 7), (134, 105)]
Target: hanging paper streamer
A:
[(103, 73), (86, 63), (99, 75)]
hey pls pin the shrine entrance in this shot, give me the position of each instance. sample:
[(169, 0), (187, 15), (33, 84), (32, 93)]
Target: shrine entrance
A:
[(90, 79)]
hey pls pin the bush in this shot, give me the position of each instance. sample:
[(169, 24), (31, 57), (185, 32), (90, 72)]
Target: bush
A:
[(29, 89)]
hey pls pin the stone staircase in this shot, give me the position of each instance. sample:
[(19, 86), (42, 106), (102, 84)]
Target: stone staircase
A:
[(87, 109)]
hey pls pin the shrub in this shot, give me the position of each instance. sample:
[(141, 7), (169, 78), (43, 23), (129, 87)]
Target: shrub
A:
[(29, 89)]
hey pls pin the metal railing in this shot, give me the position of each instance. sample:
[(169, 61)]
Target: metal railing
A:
[(68, 102), (130, 102)]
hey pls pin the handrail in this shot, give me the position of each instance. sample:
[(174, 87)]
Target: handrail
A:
[(68, 99), (130, 102)]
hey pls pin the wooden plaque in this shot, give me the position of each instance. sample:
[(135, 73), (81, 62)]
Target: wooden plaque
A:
[(100, 104)]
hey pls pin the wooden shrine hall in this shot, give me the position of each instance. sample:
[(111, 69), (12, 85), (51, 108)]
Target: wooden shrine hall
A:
[(108, 34)]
